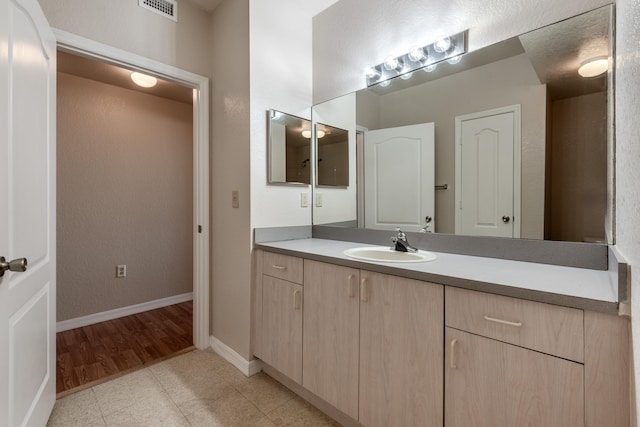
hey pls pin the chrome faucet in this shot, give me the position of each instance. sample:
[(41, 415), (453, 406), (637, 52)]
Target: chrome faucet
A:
[(400, 242)]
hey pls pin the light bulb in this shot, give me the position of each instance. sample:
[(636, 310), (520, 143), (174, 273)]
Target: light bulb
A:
[(454, 60), (372, 72), (391, 63), (143, 80), (594, 67), (416, 54), (385, 83), (406, 76), (430, 68), (443, 44)]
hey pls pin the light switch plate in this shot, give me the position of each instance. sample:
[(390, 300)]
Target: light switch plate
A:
[(304, 200), (319, 200)]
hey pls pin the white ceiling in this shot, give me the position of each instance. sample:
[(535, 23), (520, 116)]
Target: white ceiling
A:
[(313, 7)]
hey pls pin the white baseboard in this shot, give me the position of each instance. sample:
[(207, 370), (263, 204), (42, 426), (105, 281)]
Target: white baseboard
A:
[(91, 319), (247, 367)]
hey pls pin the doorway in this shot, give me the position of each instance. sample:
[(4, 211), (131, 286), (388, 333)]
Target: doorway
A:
[(199, 90)]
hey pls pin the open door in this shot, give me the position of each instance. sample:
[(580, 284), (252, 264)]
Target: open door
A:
[(399, 177), (27, 214)]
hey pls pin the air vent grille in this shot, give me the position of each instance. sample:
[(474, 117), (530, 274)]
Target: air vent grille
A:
[(166, 8)]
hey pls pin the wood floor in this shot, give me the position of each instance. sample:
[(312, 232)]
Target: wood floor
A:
[(96, 353)]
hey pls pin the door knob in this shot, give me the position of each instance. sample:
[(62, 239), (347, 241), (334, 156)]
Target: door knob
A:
[(18, 265), (506, 219)]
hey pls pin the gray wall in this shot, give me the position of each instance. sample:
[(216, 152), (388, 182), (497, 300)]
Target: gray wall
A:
[(124, 162)]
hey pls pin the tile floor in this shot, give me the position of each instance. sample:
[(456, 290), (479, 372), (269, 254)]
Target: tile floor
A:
[(198, 388)]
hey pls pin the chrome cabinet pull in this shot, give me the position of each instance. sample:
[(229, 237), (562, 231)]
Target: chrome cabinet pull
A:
[(502, 322), (279, 267), (18, 265), (452, 356)]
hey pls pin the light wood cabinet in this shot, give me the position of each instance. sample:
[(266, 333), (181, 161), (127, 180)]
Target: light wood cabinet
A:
[(489, 382), (282, 326), (330, 334), (401, 354)]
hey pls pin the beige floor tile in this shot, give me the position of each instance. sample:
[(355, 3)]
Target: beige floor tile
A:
[(118, 394), (297, 412), (231, 410), (79, 409), (263, 391), (151, 412), (192, 378)]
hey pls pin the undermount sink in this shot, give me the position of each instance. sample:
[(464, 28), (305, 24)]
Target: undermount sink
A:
[(385, 254)]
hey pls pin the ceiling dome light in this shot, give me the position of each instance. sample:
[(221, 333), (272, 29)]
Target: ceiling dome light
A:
[(143, 80), (306, 133), (443, 44), (320, 133), (416, 54), (594, 67)]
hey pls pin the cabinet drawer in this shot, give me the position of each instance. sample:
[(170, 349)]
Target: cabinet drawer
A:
[(543, 327), (283, 267)]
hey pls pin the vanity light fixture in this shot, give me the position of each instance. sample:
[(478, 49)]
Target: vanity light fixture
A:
[(443, 49), (143, 80), (594, 67)]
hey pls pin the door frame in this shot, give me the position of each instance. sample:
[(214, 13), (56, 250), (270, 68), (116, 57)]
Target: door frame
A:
[(517, 160), (88, 48)]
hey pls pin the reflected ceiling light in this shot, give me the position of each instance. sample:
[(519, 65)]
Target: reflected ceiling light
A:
[(385, 83), (406, 76), (594, 67), (143, 80), (307, 133), (430, 68), (443, 49)]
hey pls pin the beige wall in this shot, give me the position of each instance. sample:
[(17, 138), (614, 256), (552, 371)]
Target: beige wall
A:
[(125, 25), (124, 197), (578, 168), (231, 228)]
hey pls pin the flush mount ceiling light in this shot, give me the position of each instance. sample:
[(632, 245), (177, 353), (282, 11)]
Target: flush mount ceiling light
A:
[(143, 80), (594, 67), (443, 49)]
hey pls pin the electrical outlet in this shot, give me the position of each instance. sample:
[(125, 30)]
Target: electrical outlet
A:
[(235, 199), (121, 271), (304, 200)]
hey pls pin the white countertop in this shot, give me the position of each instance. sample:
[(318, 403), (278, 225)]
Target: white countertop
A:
[(578, 287)]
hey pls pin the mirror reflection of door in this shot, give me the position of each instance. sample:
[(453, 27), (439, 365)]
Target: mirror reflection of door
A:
[(487, 173), (399, 177)]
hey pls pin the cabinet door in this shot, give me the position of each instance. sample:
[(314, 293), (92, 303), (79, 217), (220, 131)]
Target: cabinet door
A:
[(490, 383), (330, 345), (282, 326), (401, 355)]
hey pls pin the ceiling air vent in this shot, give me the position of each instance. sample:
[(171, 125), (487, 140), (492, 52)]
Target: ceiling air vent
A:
[(166, 8)]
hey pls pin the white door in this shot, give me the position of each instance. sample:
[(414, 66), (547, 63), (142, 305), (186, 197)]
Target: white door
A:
[(487, 173), (27, 213), (399, 177)]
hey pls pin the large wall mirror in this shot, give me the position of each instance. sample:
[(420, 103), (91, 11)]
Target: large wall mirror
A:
[(514, 140), (289, 149)]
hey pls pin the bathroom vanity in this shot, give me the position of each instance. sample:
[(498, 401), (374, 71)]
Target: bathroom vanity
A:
[(457, 341)]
